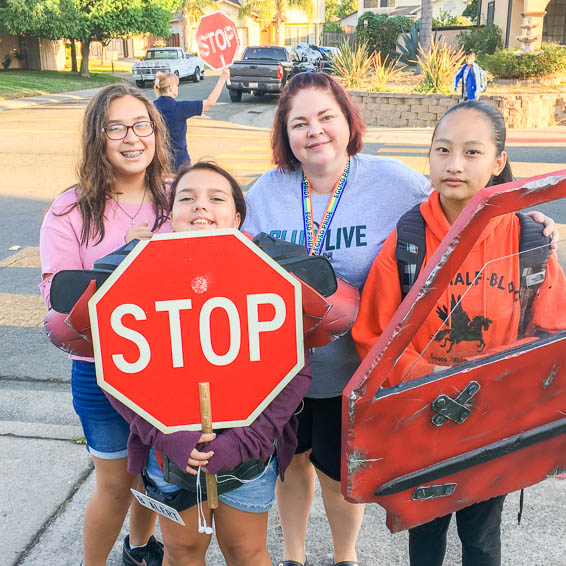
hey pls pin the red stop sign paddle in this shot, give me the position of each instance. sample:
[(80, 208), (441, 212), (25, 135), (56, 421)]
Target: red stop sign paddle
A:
[(217, 40), (183, 309)]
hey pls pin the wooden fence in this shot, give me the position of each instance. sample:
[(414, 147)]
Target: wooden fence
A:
[(337, 39)]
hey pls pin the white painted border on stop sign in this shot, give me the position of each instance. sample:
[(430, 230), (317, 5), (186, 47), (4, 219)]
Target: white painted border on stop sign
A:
[(114, 276), (236, 37)]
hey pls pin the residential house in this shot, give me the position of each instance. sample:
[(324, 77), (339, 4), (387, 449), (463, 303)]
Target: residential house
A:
[(38, 54), (297, 27), (410, 7), (526, 23), (349, 22)]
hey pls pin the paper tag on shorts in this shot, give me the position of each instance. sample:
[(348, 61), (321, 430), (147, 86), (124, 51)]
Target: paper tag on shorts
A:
[(158, 507)]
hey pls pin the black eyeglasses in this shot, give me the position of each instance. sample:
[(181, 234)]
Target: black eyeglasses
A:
[(120, 131)]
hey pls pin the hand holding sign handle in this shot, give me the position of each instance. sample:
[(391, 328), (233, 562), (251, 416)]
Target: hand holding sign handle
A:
[(206, 420)]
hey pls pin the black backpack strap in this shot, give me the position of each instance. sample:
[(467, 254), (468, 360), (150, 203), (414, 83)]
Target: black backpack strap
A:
[(533, 247), (411, 247), (534, 250)]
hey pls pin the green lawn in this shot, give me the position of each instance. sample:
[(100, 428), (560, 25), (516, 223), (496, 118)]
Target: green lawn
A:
[(29, 83)]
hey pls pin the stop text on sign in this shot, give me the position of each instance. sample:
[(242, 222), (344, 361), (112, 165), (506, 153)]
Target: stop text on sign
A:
[(217, 41), (174, 307)]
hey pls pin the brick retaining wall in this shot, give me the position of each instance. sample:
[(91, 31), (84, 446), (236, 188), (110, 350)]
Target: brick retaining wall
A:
[(396, 110)]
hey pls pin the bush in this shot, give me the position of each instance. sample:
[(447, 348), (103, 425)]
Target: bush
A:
[(448, 20), (355, 67), (352, 65), (410, 46), (484, 40), (381, 32), (383, 71), (6, 62), (471, 11), (438, 67), (510, 64), (332, 27)]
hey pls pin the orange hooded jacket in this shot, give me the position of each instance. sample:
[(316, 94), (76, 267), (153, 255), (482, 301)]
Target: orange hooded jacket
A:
[(476, 315)]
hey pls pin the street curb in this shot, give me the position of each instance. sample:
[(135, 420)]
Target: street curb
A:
[(52, 98)]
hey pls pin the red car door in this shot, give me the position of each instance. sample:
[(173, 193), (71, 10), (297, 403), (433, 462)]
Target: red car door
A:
[(489, 425)]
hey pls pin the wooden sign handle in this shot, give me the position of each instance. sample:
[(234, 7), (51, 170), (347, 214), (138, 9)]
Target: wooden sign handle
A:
[(206, 421)]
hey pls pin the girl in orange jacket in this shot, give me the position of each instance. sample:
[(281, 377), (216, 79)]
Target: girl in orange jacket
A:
[(466, 155)]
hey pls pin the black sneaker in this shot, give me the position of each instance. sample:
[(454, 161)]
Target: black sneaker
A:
[(149, 555)]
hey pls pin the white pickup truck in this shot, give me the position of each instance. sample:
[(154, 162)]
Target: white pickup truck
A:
[(168, 60)]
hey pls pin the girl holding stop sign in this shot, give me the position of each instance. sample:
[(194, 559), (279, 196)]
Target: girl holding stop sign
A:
[(205, 196)]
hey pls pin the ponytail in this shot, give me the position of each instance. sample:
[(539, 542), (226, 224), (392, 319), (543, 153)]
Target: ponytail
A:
[(164, 81)]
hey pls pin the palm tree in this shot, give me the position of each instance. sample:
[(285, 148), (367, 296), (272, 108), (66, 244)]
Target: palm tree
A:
[(425, 33), (267, 11)]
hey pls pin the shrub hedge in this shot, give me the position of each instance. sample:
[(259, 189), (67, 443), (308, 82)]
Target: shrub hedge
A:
[(483, 39), (381, 32), (511, 64)]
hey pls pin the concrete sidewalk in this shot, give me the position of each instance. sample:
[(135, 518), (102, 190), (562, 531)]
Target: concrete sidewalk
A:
[(48, 480)]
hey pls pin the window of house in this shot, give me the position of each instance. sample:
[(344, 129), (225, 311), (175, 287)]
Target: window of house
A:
[(379, 3), (299, 34), (490, 12), (554, 26)]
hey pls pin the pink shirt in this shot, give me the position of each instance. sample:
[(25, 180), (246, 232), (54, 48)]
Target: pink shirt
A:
[(60, 236)]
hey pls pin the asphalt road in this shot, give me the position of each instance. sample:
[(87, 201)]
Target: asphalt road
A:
[(47, 478), (39, 146)]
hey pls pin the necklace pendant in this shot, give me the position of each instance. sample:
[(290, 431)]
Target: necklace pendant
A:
[(132, 222)]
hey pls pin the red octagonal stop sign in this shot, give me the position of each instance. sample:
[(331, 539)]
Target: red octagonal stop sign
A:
[(209, 307), (217, 40)]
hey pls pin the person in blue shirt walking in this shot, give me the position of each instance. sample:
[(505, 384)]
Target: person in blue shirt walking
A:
[(473, 78), (177, 112)]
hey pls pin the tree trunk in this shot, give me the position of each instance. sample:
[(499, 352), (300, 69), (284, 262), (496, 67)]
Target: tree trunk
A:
[(425, 30), (85, 50), (24, 63), (185, 28), (73, 56)]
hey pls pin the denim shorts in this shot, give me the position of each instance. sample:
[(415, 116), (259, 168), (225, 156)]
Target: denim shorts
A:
[(255, 496), (106, 432)]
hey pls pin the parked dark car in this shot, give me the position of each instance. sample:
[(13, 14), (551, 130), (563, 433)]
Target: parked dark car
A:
[(263, 70), (327, 54)]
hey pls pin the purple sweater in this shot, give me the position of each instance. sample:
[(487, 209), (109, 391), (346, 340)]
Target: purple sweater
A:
[(231, 446)]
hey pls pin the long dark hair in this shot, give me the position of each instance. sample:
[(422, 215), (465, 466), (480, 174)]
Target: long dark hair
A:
[(95, 174), (237, 193), (497, 127)]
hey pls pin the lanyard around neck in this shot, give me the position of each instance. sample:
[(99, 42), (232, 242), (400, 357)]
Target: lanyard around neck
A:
[(314, 242)]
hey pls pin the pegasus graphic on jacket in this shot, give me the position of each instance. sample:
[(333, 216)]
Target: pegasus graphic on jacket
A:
[(479, 312)]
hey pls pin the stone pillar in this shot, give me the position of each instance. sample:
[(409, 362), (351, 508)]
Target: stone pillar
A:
[(533, 16)]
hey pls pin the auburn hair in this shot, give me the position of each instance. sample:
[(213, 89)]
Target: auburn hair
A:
[(283, 157)]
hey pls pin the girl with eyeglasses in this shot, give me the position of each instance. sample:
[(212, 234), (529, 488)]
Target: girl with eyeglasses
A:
[(120, 194)]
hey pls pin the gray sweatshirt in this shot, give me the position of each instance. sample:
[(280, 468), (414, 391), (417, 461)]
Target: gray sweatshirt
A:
[(378, 192)]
